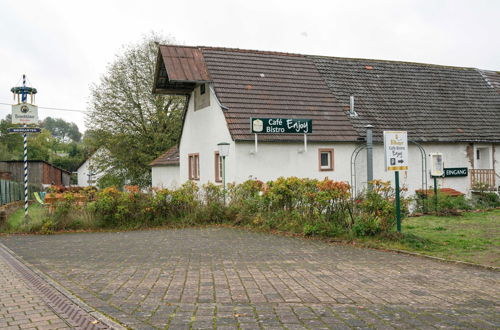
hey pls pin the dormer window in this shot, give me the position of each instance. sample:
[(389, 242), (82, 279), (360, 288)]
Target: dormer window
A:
[(201, 97)]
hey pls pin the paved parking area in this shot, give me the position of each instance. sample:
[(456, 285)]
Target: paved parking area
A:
[(21, 307), (228, 278)]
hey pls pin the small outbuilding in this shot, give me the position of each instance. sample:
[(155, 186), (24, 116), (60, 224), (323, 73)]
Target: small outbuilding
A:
[(40, 172), (165, 169)]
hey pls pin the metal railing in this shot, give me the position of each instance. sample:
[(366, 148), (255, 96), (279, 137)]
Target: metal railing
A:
[(11, 191), (483, 176)]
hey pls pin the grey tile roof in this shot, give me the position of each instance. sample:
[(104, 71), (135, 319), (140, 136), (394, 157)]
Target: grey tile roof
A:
[(492, 77), (275, 85), (431, 102)]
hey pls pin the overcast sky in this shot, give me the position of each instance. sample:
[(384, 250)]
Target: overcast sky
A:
[(64, 46)]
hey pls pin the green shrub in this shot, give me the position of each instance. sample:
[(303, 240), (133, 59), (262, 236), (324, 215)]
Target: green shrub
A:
[(485, 200), (113, 208), (375, 211), (245, 202), (446, 204), (307, 206)]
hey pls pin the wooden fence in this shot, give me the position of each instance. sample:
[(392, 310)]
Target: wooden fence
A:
[(484, 176), (11, 191)]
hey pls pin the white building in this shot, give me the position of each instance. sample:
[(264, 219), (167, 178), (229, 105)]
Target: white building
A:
[(88, 173), (453, 111), (165, 169)]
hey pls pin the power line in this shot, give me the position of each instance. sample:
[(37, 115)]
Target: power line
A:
[(58, 109)]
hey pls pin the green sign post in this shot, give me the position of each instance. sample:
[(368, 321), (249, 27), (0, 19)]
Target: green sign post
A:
[(396, 159), (280, 126)]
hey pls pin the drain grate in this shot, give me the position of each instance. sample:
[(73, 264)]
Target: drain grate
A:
[(74, 315)]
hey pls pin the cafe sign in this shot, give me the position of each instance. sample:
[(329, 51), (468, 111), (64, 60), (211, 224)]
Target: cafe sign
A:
[(280, 126), (396, 150)]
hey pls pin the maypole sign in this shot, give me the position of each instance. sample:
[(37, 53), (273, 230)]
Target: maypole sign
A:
[(280, 126), (25, 113)]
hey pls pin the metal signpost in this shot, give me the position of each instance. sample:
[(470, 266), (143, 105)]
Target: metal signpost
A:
[(396, 159), (26, 114)]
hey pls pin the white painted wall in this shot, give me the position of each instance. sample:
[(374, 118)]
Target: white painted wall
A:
[(273, 160), (84, 180), (203, 130), (454, 155), (83, 174), (166, 176), (206, 127)]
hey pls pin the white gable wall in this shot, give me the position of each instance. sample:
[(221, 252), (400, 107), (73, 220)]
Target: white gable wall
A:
[(87, 174), (83, 174), (203, 130)]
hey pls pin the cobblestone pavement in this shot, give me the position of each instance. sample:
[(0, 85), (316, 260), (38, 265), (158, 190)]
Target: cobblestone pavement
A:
[(227, 278), (31, 300), (21, 307)]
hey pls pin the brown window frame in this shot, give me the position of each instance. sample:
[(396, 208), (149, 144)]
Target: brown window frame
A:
[(194, 173), (331, 153), (218, 166)]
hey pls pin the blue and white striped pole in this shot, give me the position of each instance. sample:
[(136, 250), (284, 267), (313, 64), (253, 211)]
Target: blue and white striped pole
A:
[(25, 137)]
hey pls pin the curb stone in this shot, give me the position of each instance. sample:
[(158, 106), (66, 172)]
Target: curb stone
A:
[(458, 262), (93, 313)]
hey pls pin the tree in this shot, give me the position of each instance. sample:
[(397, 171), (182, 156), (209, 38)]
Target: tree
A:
[(11, 145), (58, 150), (62, 129), (134, 125)]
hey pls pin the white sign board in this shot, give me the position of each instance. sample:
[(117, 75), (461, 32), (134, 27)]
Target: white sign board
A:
[(396, 150), (24, 113), (437, 167)]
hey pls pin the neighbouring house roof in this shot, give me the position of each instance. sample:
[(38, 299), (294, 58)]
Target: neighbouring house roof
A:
[(170, 157), (431, 102)]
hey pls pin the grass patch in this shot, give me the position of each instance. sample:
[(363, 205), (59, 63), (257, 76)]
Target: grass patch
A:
[(472, 237), (16, 222)]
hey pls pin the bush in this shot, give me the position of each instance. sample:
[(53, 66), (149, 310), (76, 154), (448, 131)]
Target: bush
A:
[(375, 209), (485, 200), (446, 204), (306, 206), (113, 208)]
